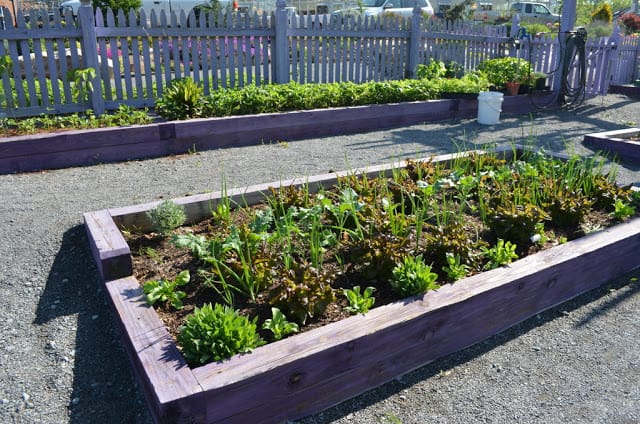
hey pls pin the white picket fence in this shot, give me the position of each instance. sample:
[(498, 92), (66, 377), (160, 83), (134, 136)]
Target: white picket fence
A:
[(136, 57)]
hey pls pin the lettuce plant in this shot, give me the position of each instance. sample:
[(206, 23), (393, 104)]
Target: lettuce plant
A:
[(413, 277), (279, 325), (215, 333), (165, 290), (502, 253), (359, 302)]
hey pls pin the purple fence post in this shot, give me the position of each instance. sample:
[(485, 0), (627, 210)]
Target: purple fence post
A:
[(90, 53), (281, 45), (414, 41)]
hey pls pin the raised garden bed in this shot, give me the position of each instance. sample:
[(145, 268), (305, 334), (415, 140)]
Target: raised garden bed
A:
[(306, 373), (623, 143), (91, 147)]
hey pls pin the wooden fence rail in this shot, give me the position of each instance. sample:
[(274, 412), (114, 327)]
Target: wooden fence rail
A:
[(44, 61)]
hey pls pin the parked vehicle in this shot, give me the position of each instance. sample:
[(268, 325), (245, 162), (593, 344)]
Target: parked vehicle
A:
[(531, 12), (148, 5), (402, 8)]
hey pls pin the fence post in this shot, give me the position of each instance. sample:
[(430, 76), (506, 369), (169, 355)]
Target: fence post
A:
[(414, 41), (514, 34), (281, 45), (566, 24), (89, 45)]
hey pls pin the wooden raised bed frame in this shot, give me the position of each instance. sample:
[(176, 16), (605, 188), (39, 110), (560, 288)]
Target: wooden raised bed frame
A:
[(306, 373), (623, 143)]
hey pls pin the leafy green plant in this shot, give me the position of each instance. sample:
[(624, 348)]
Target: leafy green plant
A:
[(82, 83), (434, 69), (502, 253), (413, 277), (279, 325), (216, 333), (359, 302), (602, 14), (183, 99), (623, 210), (166, 217), (455, 269), (506, 69), (165, 290)]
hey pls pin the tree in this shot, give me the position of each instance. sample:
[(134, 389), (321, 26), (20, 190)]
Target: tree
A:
[(456, 13), (116, 5)]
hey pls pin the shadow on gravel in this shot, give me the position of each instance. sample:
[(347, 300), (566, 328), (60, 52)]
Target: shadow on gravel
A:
[(104, 390), (433, 369)]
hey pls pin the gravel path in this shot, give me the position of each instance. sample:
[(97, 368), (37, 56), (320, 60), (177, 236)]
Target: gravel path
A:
[(61, 358)]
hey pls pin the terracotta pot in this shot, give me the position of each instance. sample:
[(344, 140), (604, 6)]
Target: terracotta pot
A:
[(512, 88)]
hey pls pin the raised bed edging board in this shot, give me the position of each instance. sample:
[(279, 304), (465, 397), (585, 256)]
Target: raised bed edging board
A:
[(91, 147), (309, 372), (618, 142)]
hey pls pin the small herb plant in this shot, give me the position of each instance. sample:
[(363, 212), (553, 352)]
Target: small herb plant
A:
[(503, 253), (215, 333), (413, 277), (455, 269), (166, 290), (623, 210), (279, 325), (359, 303), (166, 217)]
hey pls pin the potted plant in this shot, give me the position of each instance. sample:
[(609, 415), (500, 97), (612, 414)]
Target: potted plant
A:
[(507, 73)]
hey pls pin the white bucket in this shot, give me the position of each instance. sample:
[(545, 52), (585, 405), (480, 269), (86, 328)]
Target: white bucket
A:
[(489, 107)]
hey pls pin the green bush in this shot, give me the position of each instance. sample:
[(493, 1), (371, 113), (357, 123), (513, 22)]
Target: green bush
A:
[(506, 69), (602, 13), (167, 216), (116, 5), (185, 101), (215, 333)]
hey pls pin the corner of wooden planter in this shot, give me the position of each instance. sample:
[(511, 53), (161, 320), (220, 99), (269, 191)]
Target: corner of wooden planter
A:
[(110, 250)]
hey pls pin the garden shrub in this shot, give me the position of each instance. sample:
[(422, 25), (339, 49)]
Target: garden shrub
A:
[(631, 23), (603, 14)]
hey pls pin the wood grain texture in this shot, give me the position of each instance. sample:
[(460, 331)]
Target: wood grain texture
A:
[(110, 251), (173, 393), (79, 148)]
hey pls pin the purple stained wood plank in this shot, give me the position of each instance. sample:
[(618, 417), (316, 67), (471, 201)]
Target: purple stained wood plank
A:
[(617, 142), (173, 393), (78, 148), (109, 248)]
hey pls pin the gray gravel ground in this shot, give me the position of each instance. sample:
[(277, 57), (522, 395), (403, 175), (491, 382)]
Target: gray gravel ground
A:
[(61, 358)]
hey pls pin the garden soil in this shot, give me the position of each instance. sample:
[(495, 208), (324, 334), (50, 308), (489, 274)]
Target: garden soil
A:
[(62, 359)]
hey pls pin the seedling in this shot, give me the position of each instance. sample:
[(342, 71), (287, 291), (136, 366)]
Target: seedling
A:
[(502, 253), (165, 290), (359, 303), (455, 269), (413, 277), (279, 325)]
